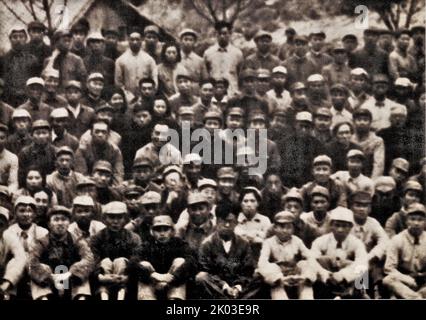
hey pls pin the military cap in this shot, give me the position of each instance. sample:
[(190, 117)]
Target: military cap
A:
[(255, 190), (401, 164), (385, 31), (372, 31), (380, 78), (143, 162), (172, 168), (235, 111), (290, 31), (323, 111), (61, 33), (349, 36), (59, 113), (403, 82), (317, 33), (221, 80), (4, 128), (257, 116), (359, 72), (95, 36), (114, 207), (315, 78), (262, 34), (416, 29), (301, 38), (355, 153), (192, 157), (25, 200), (360, 196), (279, 69), (133, 189), (416, 208), (59, 210), (102, 165), (185, 111), (206, 183), (21, 113), (162, 221), (297, 86), (104, 107), (151, 29), (304, 116), (73, 84), (248, 74), (36, 25), (4, 190), (196, 197), (342, 214), (17, 28), (81, 25), (213, 114), (85, 182), (413, 185), (284, 217), (226, 172), (322, 159), (362, 112), (95, 76), (400, 32), (339, 47), (293, 194), (106, 31), (64, 150), (35, 80), (340, 87), (398, 109), (263, 73), (151, 197), (40, 124), (4, 212), (384, 184), (279, 112), (321, 191), (188, 31), (86, 201)]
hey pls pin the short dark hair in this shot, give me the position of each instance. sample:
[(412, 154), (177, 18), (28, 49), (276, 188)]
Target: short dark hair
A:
[(168, 45), (205, 81), (145, 80), (219, 25)]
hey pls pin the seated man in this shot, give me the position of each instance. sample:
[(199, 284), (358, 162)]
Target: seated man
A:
[(226, 263), (165, 264), (285, 263), (341, 254), (12, 257), (9, 162), (59, 265), (405, 264), (113, 247)]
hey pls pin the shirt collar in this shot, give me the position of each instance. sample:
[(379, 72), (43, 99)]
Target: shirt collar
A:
[(243, 219)]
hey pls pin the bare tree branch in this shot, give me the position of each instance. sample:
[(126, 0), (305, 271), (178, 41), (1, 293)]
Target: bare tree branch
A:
[(411, 11), (46, 8), (224, 7), (200, 11), (211, 10), (32, 9), (240, 6), (398, 14), (12, 11)]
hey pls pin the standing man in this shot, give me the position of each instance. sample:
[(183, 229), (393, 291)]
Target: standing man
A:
[(338, 71), (36, 46), (316, 53), (37, 109), (8, 162), (60, 136), (224, 59), (79, 33), (402, 64), (262, 58), (133, 65), (151, 43)]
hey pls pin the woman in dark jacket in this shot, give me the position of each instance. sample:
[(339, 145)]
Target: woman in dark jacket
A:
[(121, 118)]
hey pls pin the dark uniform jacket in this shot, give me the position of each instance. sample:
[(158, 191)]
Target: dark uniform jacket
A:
[(101, 64), (78, 126)]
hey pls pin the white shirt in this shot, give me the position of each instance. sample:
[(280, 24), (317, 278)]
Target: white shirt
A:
[(75, 111), (227, 245)]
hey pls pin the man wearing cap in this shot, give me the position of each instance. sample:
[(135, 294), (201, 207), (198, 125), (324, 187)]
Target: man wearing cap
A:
[(378, 104), (220, 93), (350, 42), (142, 174), (339, 95), (226, 263), (8, 162), (133, 65), (287, 48), (319, 217), (36, 46), (100, 148), (262, 58), (406, 256), (227, 193), (34, 105), (63, 181), (16, 67), (96, 61), (204, 101), (318, 94), (58, 247), (272, 193), (94, 86), (298, 151), (353, 180), (399, 170), (371, 58), (113, 247), (223, 59), (299, 67), (285, 262), (190, 60), (338, 71), (386, 40), (404, 94), (51, 95), (12, 257), (165, 263), (372, 145), (40, 152), (342, 254), (79, 33), (278, 91), (417, 48), (322, 125), (370, 232), (80, 116), (192, 167), (21, 122), (60, 136), (69, 64), (316, 54), (299, 102), (402, 64), (111, 40), (413, 193), (385, 200), (151, 42), (358, 82), (184, 95), (102, 174), (420, 177), (83, 213)]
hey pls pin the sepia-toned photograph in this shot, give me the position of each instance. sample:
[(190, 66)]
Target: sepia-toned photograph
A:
[(219, 150)]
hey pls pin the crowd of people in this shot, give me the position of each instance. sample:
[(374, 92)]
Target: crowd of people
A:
[(96, 202)]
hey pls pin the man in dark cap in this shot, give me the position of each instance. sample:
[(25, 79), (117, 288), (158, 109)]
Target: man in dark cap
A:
[(338, 71), (316, 53), (350, 42), (151, 43), (386, 40), (79, 33), (36, 45), (190, 60), (262, 58), (111, 39), (287, 48), (34, 105)]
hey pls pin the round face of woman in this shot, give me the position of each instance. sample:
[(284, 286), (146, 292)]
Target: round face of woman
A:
[(171, 54), (34, 180), (160, 107), (117, 101), (249, 204), (344, 134)]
